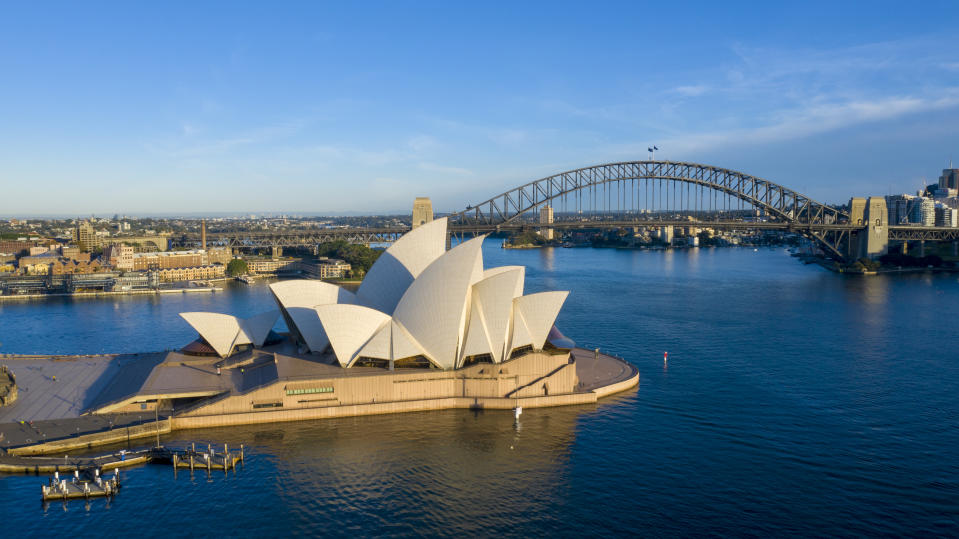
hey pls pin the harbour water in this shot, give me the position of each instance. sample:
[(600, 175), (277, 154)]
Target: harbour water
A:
[(795, 402)]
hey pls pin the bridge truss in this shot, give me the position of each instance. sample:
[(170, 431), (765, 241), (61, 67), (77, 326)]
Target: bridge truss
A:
[(663, 188), (296, 238)]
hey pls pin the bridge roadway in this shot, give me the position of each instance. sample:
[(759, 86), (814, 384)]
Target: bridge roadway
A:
[(310, 237)]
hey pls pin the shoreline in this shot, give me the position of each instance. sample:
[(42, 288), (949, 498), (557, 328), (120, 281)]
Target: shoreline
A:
[(210, 289), (828, 265)]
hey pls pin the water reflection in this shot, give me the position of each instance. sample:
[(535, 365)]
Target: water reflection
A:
[(467, 472), (547, 258)]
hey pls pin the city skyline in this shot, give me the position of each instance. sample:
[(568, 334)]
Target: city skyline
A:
[(186, 110)]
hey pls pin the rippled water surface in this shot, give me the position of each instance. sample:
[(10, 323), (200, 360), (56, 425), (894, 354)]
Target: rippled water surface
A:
[(795, 401)]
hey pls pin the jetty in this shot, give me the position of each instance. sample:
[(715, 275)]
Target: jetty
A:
[(193, 459), (88, 480), (86, 486)]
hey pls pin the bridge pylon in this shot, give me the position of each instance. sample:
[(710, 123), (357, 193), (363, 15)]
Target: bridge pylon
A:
[(873, 240)]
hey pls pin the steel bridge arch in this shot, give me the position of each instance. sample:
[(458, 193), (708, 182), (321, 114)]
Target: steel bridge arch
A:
[(779, 202)]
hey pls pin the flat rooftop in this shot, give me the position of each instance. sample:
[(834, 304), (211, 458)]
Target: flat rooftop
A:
[(55, 387)]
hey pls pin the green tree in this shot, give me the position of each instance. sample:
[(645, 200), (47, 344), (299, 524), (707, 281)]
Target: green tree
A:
[(527, 237), (236, 267), (360, 257)]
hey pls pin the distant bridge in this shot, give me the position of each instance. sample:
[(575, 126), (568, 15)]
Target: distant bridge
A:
[(630, 194)]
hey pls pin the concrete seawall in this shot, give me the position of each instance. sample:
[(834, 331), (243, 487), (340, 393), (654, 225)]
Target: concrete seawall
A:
[(477, 403), (116, 293), (89, 441)]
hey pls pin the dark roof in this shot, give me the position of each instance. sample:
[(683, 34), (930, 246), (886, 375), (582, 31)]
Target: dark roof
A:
[(199, 347)]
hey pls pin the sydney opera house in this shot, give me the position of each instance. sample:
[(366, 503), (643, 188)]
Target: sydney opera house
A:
[(418, 306), (428, 328)]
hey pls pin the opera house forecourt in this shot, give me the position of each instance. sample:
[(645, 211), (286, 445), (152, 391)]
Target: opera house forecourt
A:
[(428, 328)]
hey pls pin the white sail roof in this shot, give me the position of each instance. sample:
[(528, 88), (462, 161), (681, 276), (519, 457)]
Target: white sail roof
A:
[(490, 313), (401, 264), (538, 313), (298, 297), (391, 342), (500, 269), (519, 333), (434, 308), (309, 293), (257, 328), (307, 325), (224, 332), (349, 327), (404, 345)]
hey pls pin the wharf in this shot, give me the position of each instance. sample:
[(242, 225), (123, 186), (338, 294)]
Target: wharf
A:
[(113, 293), (89, 486), (36, 465), (193, 459)]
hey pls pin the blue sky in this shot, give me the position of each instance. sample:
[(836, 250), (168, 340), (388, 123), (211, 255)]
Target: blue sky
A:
[(344, 107)]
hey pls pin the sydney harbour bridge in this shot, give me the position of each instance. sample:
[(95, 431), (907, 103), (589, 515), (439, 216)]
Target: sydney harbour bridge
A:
[(641, 194)]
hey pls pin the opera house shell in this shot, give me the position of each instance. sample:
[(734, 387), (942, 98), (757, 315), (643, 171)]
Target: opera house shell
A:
[(419, 306)]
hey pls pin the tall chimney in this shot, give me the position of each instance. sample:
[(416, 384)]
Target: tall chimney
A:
[(203, 234)]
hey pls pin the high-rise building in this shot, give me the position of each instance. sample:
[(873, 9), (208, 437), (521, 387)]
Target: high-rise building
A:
[(949, 178), (422, 211), (946, 216), (85, 235), (898, 207), (923, 211)]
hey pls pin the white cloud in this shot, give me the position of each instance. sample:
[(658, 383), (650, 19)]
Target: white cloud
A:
[(691, 90)]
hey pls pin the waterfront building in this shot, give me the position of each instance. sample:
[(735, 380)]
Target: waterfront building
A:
[(422, 211), (219, 255), (174, 259), (325, 268), (192, 273), (665, 234), (271, 265), (119, 256)]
